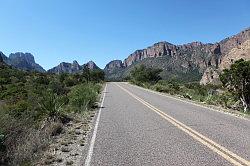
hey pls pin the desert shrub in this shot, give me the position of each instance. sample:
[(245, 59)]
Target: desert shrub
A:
[(187, 96), (33, 107), (52, 104), (18, 109), (97, 75), (62, 77), (69, 82), (212, 99), (161, 88), (84, 96), (58, 88), (171, 87), (41, 79), (24, 140), (228, 100)]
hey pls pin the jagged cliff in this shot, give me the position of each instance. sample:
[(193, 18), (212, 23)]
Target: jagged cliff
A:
[(23, 61), (72, 68), (114, 69), (230, 50), (66, 68), (91, 65), (191, 60)]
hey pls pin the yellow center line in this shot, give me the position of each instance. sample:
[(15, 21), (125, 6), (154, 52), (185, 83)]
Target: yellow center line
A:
[(215, 147)]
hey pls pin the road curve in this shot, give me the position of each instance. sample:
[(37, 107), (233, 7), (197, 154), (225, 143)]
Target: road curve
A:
[(138, 127)]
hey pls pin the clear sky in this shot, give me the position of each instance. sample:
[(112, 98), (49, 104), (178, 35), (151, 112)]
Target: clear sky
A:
[(103, 30)]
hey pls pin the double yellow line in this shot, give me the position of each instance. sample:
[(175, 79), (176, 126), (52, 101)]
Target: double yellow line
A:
[(215, 147)]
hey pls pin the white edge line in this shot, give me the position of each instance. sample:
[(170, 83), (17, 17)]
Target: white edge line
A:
[(92, 142), (190, 102)]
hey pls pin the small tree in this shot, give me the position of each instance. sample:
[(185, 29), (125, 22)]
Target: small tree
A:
[(237, 80), (97, 75), (63, 77), (86, 73), (144, 74)]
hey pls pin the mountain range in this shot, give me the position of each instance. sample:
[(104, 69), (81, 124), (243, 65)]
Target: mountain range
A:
[(194, 61), (26, 61), (72, 67)]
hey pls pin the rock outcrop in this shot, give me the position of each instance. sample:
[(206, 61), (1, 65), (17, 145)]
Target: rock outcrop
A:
[(115, 64), (210, 76), (113, 70), (240, 51), (22, 61), (92, 66), (157, 50), (231, 49), (66, 68)]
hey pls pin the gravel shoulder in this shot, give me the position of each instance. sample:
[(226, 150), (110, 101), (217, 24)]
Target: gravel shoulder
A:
[(70, 147)]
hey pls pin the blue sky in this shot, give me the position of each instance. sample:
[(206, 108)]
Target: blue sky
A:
[(103, 30)]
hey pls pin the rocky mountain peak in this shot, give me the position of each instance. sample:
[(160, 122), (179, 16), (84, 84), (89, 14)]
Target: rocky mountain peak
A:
[(23, 61), (91, 65), (72, 68), (65, 67), (4, 57), (75, 62), (28, 57), (115, 64)]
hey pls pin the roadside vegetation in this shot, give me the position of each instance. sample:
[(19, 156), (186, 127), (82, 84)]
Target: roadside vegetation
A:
[(233, 93), (35, 107)]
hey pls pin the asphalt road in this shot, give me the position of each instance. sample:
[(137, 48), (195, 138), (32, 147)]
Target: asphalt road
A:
[(139, 127)]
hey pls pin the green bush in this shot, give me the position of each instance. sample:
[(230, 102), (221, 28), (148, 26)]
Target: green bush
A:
[(69, 82), (161, 88), (28, 99), (145, 74), (84, 96), (52, 104), (171, 87), (18, 109), (58, 88)]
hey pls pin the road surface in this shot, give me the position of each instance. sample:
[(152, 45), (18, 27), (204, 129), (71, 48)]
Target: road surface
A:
[(138, 127)]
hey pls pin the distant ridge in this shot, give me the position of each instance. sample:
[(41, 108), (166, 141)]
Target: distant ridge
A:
[(22, 61), (72, 68), (194, 61), (190, 62)]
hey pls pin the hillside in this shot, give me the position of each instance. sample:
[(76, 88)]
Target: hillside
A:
[(39, 111)]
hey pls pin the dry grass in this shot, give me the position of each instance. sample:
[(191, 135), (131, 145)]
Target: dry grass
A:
[(24, 143)]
